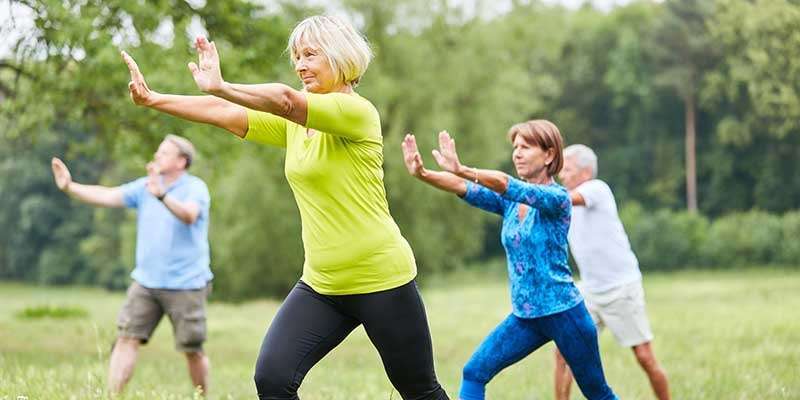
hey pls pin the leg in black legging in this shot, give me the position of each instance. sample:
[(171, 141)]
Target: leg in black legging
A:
[(397, 325), (307, 327)]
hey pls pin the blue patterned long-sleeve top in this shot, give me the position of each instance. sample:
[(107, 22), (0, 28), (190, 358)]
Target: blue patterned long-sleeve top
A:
[(536, 247)]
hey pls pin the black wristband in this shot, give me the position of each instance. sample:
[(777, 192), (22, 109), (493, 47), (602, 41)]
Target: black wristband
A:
[(161, 198)]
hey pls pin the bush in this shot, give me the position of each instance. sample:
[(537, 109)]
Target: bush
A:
[(747, 238), (665, 239), (789, 251)]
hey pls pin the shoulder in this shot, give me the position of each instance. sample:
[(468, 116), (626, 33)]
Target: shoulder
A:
[(596, 192), (195, 181), (594, 186), (136, 183), (557, 190), (346, 102)]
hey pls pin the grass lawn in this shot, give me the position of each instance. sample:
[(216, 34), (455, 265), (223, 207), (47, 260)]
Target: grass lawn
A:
[(719, 334)]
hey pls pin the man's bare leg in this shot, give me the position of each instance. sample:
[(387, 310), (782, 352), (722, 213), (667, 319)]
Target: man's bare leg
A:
[(123, 361), (199, 366), (656, 374)]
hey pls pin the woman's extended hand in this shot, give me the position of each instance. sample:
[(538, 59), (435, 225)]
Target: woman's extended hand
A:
[(446, 155), (207, 74), (411, 156), (140, 93)]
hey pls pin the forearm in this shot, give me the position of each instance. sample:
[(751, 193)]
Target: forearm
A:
[(495, 181), (274, 98), (444, 181), (186, 212), (205, 109), (95, 194)]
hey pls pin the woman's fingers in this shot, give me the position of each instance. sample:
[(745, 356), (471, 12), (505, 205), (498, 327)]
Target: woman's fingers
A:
[(443, 139), (418, 160), (206, 50), (194, 68), (213, 49), (133, 68), (439, 158)]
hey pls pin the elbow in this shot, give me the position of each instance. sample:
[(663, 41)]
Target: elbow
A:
[(285, 104), (189, 219)]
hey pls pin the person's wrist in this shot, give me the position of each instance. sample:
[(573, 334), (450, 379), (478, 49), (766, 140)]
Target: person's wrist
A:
[(469, 173), (463, 171), (66, 188), (153, 99), (220, 89), (161, 197)]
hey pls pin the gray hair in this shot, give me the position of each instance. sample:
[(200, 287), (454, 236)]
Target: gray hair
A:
[(584, 157), (185, 147), (346, 49)]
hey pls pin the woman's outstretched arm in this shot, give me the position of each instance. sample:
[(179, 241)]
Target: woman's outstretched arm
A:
[(274, 98), (440, 180), (473, 193), (205, 109), (549, 199), (447, 158)]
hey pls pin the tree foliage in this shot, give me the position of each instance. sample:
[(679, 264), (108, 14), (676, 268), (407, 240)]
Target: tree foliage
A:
[(617, 81)]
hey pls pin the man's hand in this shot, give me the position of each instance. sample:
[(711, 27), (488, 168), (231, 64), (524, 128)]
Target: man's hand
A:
[(61, 174), (154, 185)]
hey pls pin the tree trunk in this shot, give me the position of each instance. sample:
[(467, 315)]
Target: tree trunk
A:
[(691, 165)]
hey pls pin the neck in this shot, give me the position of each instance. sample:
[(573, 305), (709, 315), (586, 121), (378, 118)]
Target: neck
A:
[(171, 177), (541, 178), (340, 88), (344, 89)]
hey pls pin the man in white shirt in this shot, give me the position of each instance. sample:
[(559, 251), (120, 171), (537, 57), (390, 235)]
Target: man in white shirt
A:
[(611, 282)]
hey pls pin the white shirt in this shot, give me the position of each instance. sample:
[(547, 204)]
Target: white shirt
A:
[(598, 241)]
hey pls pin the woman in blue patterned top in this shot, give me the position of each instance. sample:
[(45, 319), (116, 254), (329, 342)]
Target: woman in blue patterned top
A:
[(536, 214)]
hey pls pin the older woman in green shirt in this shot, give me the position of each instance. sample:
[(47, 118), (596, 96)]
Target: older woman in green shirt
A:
[(358, 267)]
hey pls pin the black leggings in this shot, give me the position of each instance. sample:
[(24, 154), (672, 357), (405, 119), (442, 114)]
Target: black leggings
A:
[(309, 325)]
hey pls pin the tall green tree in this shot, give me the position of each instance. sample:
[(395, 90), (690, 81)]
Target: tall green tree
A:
[(684, 52)]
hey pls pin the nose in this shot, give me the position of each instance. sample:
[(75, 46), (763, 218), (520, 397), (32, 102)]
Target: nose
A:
[(299, 65)]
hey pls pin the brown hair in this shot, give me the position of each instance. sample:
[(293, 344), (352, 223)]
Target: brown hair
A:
[(545, 135)]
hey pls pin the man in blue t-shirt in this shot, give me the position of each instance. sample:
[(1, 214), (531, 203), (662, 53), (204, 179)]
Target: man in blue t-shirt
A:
[(172, 273)]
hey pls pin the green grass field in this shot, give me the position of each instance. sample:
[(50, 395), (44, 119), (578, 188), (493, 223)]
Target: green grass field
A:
[(720, 335)]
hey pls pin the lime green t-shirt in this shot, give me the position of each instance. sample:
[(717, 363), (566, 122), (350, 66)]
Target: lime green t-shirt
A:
[(352, 244)]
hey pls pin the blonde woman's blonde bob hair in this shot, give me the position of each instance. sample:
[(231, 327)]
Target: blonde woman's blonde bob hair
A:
[(347, 51)]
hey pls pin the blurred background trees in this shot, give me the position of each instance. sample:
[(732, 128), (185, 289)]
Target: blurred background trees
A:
[(690, 104)]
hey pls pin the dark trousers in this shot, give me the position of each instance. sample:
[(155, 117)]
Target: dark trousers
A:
[(309, 325)]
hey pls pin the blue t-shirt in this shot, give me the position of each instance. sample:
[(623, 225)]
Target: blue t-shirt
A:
[(536, 248), (170, 254)]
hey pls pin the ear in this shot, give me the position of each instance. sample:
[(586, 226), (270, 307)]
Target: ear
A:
[(550, 155)]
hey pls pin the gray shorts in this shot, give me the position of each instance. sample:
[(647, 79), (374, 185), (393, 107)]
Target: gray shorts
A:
[(622, 310), (186, 309)]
